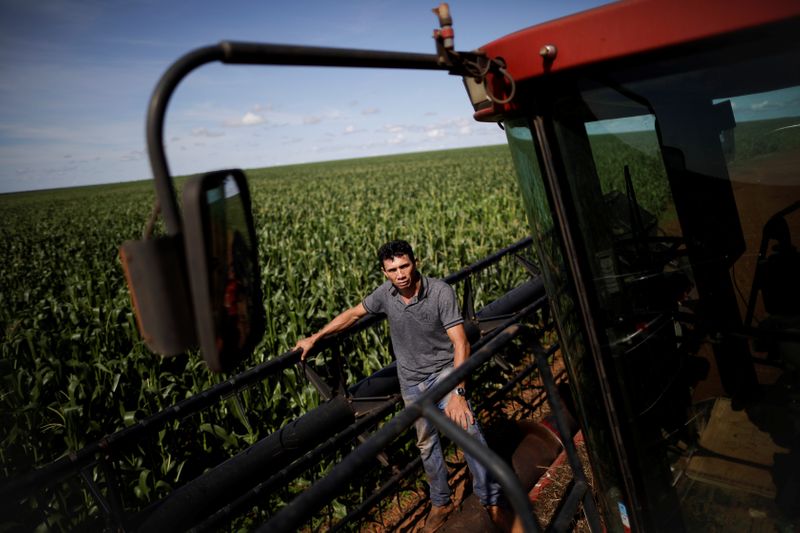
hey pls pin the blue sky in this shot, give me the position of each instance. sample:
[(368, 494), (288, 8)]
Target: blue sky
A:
[(76, 77)]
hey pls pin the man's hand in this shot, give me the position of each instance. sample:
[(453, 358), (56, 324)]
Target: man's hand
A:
[(306, 345), (342, 321), (458, 411)]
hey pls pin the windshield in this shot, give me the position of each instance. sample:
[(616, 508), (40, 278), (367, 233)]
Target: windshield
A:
[(681, 181)]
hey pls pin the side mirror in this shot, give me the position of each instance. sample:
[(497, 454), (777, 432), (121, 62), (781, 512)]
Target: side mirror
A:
[(222, 261)]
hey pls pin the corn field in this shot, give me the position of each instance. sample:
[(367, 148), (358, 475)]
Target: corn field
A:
[(75, 369)]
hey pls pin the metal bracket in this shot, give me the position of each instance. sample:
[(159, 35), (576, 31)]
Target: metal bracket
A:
[(337, 388)]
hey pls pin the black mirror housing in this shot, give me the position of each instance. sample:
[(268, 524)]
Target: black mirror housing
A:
[(222, 262)]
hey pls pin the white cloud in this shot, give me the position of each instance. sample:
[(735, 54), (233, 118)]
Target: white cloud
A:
[(435, 133), (370, 111), (311, 120), (251, 119)]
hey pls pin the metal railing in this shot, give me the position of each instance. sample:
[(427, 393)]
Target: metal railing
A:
[(102, 454), (578, 498)]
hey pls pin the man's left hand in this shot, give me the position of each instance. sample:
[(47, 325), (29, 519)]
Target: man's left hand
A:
[(458, 411)]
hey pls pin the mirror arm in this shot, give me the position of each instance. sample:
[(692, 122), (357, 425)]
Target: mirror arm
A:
[(247, 53), (244, 53), (165, 192)]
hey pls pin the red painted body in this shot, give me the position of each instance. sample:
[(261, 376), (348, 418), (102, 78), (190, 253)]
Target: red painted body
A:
[(625, 29)]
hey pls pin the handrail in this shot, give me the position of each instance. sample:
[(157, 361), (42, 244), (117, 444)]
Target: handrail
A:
[(20, 487), (478, 406), (214, 521), (249, 497), (311, 500), (488, 261)]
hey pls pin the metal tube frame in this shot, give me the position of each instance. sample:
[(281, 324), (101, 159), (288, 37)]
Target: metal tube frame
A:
[(213, 522), (358, 427), (378, 495), (492, 400), (296, 513)]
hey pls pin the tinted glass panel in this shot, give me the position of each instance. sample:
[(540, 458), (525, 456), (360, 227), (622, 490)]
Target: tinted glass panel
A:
[(685, 185)]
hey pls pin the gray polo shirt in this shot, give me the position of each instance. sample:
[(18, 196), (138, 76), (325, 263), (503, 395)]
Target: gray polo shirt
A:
[(419, 329)]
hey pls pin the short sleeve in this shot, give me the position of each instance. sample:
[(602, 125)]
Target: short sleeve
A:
[(373, 303), (449, 313)]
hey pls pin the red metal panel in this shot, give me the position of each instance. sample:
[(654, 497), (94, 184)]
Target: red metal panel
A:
[(631, 27)]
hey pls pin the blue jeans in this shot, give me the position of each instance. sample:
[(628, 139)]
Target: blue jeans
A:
[(485, 488)]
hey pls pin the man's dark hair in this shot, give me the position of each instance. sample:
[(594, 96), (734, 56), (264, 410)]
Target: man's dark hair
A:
[(395, 249)]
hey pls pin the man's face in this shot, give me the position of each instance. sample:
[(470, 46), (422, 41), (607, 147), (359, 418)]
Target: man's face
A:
[(400, 270)]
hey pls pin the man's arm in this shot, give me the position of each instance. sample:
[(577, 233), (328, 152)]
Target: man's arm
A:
[(342, 321), (457, 408)]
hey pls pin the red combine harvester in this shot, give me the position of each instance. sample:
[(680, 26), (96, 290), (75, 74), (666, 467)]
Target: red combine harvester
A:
[(657, 147)]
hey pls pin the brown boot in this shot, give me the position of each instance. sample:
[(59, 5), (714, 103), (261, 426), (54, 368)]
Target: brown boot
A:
[(437, 517), (504, 519)]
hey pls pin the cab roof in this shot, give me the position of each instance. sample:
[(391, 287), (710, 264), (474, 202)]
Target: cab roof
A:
[(627, 28)]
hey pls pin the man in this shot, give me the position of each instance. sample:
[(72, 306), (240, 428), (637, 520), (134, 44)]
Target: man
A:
[(429, 342)]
